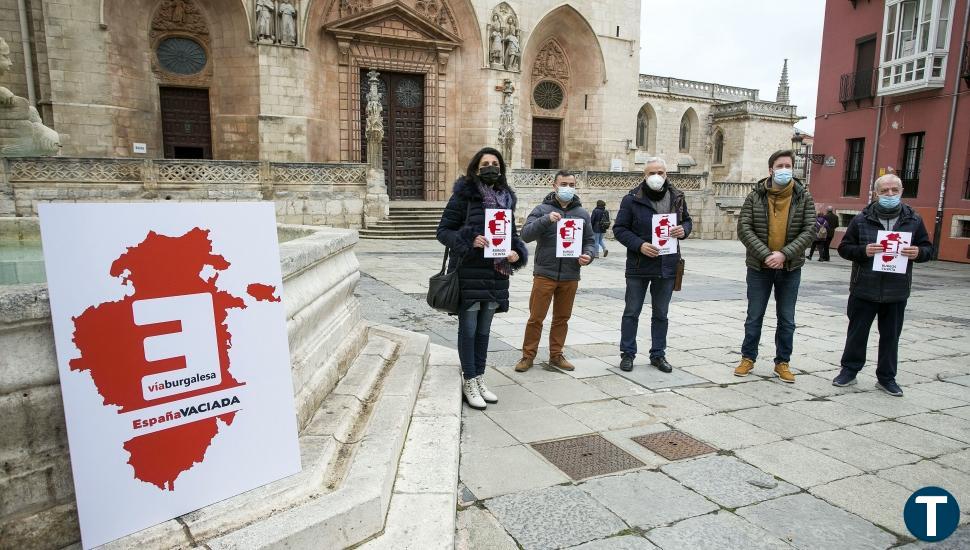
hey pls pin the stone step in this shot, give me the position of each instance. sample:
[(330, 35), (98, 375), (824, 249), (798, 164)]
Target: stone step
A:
[(422, 510), (350, 452)]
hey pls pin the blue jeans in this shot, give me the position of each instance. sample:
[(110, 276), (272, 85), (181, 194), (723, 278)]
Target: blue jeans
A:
[(760, 284), (661, 291), (473, 330), (599, 241)]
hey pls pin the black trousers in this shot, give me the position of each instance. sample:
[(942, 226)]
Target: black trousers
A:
[(823, 253), (861, 314)]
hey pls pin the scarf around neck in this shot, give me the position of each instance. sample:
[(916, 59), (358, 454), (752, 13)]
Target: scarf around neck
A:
[(497, 198)]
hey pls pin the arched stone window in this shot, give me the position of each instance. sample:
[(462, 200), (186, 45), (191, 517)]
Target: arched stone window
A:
[(718, 146), (685, 134), (646, 127)]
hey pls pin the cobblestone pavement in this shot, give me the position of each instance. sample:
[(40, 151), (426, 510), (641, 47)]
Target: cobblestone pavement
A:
[(806, 465)]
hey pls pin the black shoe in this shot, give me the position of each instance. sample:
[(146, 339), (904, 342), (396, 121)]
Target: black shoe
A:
[(606, 252), (845, 378), (891, 387), (661, 364), (626, 363)]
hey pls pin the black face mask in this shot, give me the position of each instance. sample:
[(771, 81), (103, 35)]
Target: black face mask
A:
[(490, 174)]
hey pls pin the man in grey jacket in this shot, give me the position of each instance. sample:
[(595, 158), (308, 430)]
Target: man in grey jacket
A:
[(555, 280)]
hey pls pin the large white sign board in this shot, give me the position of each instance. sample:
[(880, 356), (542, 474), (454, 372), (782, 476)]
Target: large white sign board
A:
[(173, 357)]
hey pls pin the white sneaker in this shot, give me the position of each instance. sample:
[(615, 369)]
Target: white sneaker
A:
[(472, 396), (487, 395)]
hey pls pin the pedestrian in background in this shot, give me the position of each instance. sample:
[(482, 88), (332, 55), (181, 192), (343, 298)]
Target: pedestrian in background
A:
[(600, 220), (833, 224), (821, 237)]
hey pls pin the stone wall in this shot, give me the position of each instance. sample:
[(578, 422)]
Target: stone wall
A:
[(338, 195)]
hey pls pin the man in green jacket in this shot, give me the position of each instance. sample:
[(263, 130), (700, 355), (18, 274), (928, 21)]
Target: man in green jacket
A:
[(776, 226)]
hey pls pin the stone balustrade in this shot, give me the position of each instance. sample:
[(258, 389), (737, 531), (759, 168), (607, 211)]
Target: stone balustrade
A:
[(694, 88), (757, 108), (731, 189)]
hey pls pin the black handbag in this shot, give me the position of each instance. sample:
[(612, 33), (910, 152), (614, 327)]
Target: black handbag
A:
[(444, 288)]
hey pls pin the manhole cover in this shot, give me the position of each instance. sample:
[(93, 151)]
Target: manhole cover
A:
[(674, 445), (586, 456)]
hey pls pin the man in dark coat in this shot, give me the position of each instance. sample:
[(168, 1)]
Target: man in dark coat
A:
[(776, 225), (833, 223), (645, 267), (875, 294), (555, 280)]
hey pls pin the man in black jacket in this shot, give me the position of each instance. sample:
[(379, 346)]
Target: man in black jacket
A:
[(874, 293), (833, 224), (645, 267)]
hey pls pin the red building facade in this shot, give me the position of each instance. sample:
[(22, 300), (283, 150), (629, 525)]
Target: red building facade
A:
[(894, 96)]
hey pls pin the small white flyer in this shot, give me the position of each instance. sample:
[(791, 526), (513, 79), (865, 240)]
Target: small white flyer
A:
[(891, 259), (662, 223), (569, 238), (498, 232)]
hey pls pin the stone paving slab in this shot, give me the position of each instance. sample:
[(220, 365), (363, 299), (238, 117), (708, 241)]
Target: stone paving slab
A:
[(721, 399), (959, 540), (602, 416), (927, 473), (725, 432), (515, 398), (507, 470), (781, 421), (810, 523), (958, 461), (565, 391), (909, 438), (870, 497), (478, 528), (833, 412), (821, 386), (616, 386), (624, 440), (943, 424), (772, 392), (649, 377), (479, 432), (960, 412), (414, 521), (727, 481), (716, 373), (811, 467), (542, 424), (626, 542), (589, 367), (878, 402), (554, 517), (647, 499), (866, 454), (667, 406), (947, 389), (714, 532)]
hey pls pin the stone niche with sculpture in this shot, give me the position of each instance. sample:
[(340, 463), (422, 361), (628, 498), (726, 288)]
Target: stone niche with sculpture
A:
[(22, 133), (504, 39)]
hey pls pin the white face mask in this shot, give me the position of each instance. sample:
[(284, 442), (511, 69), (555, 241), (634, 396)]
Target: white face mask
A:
[(656, 182)]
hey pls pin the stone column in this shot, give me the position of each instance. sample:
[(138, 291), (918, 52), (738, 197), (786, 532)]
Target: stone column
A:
[(7, 206), (375, 124), (506, 129), (377, 203)]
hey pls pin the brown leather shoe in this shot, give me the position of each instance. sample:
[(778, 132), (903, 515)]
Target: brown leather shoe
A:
[(561, 363), (523, 365), (746, 366), (781, 370)]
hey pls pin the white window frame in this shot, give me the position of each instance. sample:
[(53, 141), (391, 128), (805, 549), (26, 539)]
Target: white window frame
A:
[(916, 63)]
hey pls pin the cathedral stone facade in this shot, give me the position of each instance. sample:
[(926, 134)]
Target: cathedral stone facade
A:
[(552, 84)]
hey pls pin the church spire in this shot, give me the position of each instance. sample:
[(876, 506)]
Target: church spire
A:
[(782, 96)]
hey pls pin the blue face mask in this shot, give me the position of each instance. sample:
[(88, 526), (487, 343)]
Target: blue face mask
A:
[(889, 202), (565, 194), (782, 176)]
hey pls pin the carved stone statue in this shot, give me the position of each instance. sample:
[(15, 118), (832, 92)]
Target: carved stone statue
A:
[(287, 23), (375, 123), (512, 52), (495, 51), (22, 133), (264, 19)]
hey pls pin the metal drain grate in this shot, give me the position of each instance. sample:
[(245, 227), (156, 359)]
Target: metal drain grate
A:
[(586, 456), (674, 445)]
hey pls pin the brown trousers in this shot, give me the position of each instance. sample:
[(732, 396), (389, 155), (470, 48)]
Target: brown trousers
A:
[(561, 294)]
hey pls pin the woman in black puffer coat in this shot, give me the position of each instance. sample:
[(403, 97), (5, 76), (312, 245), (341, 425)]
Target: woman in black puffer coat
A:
[(484, 281)]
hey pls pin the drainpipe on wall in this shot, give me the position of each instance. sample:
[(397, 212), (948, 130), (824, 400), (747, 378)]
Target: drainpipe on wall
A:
[(28, 54), (938, 230), (875, 152)]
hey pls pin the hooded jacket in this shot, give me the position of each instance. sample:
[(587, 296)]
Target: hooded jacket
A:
[(753, 226), (633, 227), (538, 227), (876, 286), (462, 221)]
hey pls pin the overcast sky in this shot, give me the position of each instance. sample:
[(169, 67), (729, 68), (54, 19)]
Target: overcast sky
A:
[(738, 43)]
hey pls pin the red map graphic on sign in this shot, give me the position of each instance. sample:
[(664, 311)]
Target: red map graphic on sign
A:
[(568, 233), (113, 353), (891, 244), (498, 228), (664, 222)]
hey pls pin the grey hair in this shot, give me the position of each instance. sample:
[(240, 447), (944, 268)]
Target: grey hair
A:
[(888, 178), (655, 160)]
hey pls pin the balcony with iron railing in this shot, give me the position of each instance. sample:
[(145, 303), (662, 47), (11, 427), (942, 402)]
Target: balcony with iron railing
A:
[(965, 69), (858, 86)]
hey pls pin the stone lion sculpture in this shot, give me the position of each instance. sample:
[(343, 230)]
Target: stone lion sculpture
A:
[(22, 132)]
